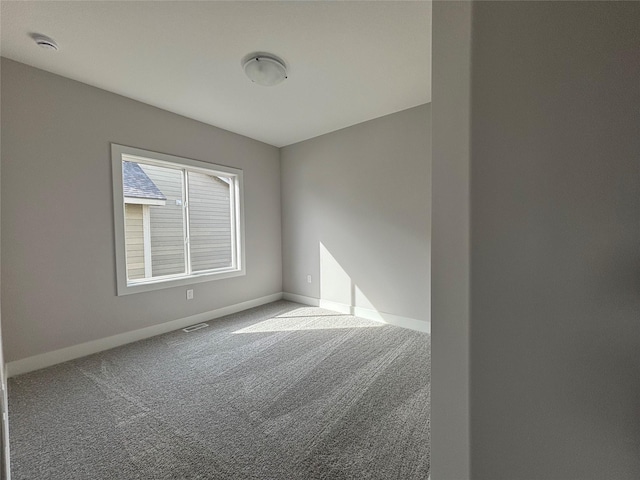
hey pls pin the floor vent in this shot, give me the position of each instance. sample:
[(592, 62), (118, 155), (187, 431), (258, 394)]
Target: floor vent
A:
[(193, 328)]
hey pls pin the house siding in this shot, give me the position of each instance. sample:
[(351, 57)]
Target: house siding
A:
[(134, 241), (210, 225), (209, 222), (167, 224)]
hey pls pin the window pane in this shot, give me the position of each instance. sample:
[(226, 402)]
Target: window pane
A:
[(210, 229), (154, 220), (166, 222)]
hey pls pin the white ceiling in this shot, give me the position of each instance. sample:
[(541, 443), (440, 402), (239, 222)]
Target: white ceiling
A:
[(348, 61)]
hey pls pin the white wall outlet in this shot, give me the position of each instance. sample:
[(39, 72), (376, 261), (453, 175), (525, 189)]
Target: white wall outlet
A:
[(190, 294), (308, 278)]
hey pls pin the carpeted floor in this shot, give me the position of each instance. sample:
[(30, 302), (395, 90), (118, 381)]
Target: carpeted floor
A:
[(282, 391)]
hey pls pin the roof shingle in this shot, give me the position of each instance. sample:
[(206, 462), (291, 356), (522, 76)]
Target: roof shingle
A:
[(136, 183)]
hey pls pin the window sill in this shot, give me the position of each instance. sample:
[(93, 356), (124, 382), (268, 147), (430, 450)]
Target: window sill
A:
[(149, 286)]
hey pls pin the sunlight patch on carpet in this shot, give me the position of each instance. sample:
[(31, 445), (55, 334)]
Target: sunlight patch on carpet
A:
[(302, 322)]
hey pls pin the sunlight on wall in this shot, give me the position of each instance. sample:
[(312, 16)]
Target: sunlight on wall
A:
[(339, 292), (308, 319), (361, 300), (335, 283)]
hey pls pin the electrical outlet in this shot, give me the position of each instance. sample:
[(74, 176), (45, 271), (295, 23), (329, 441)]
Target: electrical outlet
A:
[(190, 294), (308, 278)]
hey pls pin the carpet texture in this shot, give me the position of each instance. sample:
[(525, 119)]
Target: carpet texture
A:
[(281, 391)]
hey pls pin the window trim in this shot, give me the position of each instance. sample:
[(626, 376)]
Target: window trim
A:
[(123, 286)]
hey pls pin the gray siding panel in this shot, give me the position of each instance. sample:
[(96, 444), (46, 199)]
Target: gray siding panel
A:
[(209, 222)]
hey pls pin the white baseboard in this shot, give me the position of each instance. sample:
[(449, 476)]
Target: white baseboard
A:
[(294, 297), (391, 319), (48, 359)]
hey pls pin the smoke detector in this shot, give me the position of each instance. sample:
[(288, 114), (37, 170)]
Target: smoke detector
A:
[(45, 42)]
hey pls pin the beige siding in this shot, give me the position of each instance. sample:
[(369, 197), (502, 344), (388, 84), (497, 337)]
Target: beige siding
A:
[(134, 241), (209, 222), (167, 225)]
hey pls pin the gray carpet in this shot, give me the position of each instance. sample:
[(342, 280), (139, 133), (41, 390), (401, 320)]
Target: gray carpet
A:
[(281, 391)]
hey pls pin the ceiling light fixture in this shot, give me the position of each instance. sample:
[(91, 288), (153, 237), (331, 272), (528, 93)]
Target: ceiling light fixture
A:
[(44, 42), (264, 69)]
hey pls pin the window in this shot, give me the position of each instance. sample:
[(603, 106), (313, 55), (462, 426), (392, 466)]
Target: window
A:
[(177, 221)]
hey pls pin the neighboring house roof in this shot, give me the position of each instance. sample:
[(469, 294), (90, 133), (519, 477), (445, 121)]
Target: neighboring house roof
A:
[(137, 184)]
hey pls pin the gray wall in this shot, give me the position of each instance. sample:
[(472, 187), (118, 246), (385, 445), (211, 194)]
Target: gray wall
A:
[(58, 268), (450, 309), (356, 217), (555, 240), (4, 413)]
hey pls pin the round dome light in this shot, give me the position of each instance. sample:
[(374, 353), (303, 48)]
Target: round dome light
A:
[(44, 42), (266, 70)]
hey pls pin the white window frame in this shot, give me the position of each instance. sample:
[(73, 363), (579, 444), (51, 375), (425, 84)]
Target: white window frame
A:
[(125, 286)]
